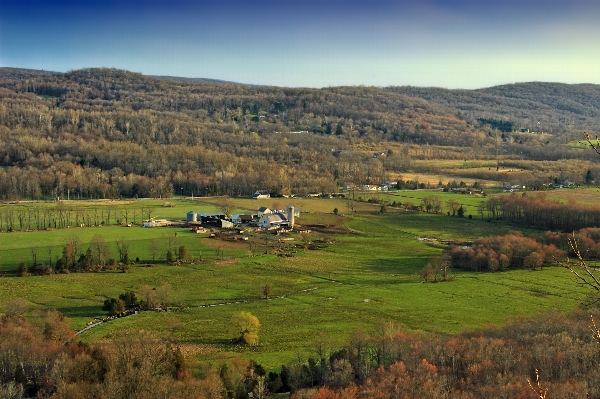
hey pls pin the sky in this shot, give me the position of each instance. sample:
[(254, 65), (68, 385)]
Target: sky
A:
[(306, 43)]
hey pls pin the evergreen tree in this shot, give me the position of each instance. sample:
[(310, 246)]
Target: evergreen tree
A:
[(589, 178)]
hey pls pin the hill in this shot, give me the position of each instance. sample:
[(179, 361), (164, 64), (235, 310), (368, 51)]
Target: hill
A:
[(107, 132), (558, 108), (144, 136)]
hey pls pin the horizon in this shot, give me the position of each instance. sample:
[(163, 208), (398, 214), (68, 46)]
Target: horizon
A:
[(220, 81), (453, 44)]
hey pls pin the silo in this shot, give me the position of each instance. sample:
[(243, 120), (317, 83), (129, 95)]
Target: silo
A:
[(192, 216), (290, 215)]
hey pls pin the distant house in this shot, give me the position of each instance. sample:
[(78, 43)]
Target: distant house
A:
[(371, 187), (514, 187), (351, 187), (261, 194)]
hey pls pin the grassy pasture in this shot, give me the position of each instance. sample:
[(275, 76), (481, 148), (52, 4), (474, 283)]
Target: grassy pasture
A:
[(368, 274), (586, 195)]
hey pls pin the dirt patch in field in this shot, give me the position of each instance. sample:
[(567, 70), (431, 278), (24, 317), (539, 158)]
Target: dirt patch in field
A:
[(325, 228), (226, 262), (188, 350)]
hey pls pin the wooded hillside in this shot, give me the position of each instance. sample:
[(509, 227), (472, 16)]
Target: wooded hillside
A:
[(559, 108), (107, 132)]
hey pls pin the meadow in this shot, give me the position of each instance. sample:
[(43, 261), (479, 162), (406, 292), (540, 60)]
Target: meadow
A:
[(368, 271)]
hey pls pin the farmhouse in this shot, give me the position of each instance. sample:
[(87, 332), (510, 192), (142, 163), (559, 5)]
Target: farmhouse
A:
[(273, 220), (241, 219), (157, 223), (261, 194), (263, 210), (276, 219)]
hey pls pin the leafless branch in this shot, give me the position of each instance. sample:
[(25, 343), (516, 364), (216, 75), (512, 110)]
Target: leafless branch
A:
[(595, 331), (595, 144), (580, 268), (540, 391)]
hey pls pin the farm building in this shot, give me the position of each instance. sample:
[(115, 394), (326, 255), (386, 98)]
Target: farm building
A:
[(192, 216), (272, 220), (261, 194), (241, 219), (263, 210), (279, 218)]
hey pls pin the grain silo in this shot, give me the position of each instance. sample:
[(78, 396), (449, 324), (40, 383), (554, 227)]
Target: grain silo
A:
[(192, 216), (290, 215)]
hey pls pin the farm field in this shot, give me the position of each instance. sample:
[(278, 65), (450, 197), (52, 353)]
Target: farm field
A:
[(587, 195), (368, 271)]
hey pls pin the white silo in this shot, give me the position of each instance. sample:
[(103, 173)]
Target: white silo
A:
[(290, 215)]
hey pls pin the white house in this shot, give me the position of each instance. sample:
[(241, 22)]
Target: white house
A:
[(272, 220), (261, 194), (263, 210), (275, 219)]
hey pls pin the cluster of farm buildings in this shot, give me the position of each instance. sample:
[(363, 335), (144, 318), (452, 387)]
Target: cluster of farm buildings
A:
[(265, 218)]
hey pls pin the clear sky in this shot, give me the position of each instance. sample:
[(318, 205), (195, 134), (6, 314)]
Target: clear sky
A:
[(445, 43)]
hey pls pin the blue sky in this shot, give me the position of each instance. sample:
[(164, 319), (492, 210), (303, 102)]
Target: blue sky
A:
[(445, 43)]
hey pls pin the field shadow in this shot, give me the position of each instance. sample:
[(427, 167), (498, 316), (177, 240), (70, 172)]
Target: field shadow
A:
[(82, 311), (398, 266)]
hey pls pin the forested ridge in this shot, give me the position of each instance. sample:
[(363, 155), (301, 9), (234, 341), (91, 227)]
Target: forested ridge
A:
[(108, 133), (557, 107)]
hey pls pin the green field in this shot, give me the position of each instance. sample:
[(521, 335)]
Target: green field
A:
[(367, 272)]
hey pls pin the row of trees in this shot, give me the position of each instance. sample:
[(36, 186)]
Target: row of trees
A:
[(534, 210), (514, 251), (99, 255), (511, 251), (41, 216)]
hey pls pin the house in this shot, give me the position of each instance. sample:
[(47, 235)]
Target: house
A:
[(567, 183), (226, 224), (273, 220), (351, 187), (240, 219), (276, 219), (371, 187), (261, 194), (263, 210)]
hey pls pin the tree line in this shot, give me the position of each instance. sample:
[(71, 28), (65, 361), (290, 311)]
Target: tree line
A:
[(60, 215), (534, 210)]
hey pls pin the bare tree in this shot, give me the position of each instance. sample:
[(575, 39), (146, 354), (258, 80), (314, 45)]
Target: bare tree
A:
[(123, 250), (154, 248), (226, 205)]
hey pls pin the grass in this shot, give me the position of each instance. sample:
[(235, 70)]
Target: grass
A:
[(367, 274)]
